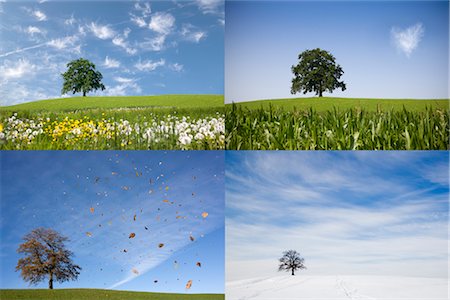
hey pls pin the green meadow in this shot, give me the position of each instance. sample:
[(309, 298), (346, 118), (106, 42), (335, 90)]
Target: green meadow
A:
[(338, 124), (85, 294)]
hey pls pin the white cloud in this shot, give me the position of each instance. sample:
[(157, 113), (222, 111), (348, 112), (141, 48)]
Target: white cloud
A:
[(122, 43), (32, 30), (145, 9), (15, 70), (190, 33), (176, 67), (209, 6), (102, 31), (39, 15), (149, 65), (123, 89), (154, 44), (139, 21), (65, 42), (70, 21), (23, 49), (111, 63), (408, 39), (123, 79), (162, 23)]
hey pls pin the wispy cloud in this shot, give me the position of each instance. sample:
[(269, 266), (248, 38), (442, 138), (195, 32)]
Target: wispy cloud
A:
[(39, 15), (139, 21), (16, 69), (210, 6), (70, 21), (33, 30), (149, 65), (191, 33), (144, 8), (407, 40), (162, 23), (65, 43), (102, 31), (111, 63), (176, 67)]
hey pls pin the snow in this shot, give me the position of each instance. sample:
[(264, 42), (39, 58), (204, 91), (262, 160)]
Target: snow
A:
[(357, 287)]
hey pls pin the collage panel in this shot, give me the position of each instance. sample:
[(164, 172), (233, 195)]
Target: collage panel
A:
[(336, 225), (337, 75), (112, 225), (111, 75)]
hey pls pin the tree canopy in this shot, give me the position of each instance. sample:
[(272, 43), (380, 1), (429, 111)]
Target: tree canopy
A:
[(317, 72), (291, 261), (46, 255), (81, 76)]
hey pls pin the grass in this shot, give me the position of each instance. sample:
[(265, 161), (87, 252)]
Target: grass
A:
[(82, 294), (82, 103), (328, 103), (280, 128)]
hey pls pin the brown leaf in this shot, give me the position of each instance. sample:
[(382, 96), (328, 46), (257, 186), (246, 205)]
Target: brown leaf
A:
[(134, 218), (189, 284), (204, 214), (135, 271), (89, 234), (125, 250), (92, 209), (161, 245), (191, 238), (132, 235), (199, 264)]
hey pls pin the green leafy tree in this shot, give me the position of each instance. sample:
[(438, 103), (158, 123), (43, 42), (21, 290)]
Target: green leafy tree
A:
[(291, 261), (317, 72), (46, 256), (81, 76)]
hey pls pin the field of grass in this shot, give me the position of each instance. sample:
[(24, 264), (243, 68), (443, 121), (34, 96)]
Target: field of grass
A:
[(328, 103), (184, 122), (82, 103), (88, 294), (286, 128)]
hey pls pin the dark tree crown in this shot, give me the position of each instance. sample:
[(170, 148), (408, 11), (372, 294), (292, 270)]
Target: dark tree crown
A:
[(46, 255), (81, 76), (317, 72), (291, 261)]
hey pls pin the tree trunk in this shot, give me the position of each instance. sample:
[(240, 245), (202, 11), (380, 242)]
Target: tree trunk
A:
[(292, 272), (84, 93), (320, 93), (50, 282)]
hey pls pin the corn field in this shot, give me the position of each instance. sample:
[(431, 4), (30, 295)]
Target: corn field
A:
[(353, 129)]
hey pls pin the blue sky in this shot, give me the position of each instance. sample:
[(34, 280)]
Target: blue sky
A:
[(387, 49), (141, 48), (58, 190), (347, 213)]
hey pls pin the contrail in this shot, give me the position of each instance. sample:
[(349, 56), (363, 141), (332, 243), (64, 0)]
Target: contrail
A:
[(22, 50)]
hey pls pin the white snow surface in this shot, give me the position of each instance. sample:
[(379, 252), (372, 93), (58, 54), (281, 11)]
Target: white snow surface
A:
[(338, 287)]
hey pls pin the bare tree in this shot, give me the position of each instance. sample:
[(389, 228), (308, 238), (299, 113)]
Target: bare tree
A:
[(291, 260), (46, 255)]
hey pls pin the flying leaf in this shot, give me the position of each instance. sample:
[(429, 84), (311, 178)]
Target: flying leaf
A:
[(199, 264), (132, 235), (167, 188), (125, 250), (113, 173), (89, 234), (125, 188), (145, 227), (135, 271), (134, 218), (92, 209), (204, 214), (191, 238), (161, 245), (189, 284)]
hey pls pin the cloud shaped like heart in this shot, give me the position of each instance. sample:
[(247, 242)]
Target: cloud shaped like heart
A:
[(406, 40)]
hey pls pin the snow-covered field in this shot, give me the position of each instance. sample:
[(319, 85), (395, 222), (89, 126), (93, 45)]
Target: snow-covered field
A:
[(338, 287)]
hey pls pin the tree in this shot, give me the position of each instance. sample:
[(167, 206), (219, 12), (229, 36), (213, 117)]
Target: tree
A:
[(81, 77), (317, 72), (291, 260), (46, 255)]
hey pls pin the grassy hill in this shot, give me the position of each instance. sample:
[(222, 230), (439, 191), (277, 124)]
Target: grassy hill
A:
[(79, 103), (327, 103), (85, 294)]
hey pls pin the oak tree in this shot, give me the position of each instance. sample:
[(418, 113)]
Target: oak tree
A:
[(316, 71), (46, 256), (291, 261), (81, 76)]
